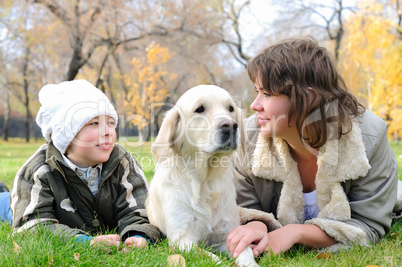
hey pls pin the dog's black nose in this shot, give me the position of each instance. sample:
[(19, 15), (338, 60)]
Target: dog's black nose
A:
[(228, 126)]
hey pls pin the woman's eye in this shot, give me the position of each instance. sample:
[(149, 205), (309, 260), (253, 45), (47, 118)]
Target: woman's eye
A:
[(200, 109), (112, 123), (93, 123), (231, 109)]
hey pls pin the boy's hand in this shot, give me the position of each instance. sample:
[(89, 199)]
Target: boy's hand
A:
[(106, 240), (136, 242)]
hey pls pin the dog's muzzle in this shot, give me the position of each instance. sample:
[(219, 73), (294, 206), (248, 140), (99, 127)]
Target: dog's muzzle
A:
[(227, 135)]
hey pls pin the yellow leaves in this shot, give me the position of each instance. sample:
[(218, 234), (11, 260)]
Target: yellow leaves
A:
[(17, 248), (77, 256), (157, 54), (148, 82), (324, 256), (372, 61), (176, 260)]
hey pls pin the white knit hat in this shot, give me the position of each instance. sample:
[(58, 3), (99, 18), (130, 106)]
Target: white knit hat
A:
[(67, 107)]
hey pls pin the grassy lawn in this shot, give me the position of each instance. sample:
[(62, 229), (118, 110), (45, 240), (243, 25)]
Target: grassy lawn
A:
[(45, 249), (398, 153)]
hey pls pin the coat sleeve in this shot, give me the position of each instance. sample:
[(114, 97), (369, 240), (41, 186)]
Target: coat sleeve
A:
[(371, 197), (130, 205), (245, 190), (32, 200)]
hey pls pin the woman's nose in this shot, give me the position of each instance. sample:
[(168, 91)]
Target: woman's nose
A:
[(256, 106)]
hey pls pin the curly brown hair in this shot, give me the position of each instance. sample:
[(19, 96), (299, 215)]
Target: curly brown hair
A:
[(306, 72)]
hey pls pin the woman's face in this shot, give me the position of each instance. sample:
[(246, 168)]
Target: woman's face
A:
[(272, 113)]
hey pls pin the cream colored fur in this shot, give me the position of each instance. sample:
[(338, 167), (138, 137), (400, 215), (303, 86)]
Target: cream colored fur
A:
[(272, 160), (192, 195)]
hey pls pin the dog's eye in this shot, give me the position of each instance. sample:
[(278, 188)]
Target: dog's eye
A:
[(231, 109), (200, 109)]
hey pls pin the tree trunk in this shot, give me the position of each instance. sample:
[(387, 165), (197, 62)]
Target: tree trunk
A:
[(26, 102), (76, 62), (144, 134), (7, 115)]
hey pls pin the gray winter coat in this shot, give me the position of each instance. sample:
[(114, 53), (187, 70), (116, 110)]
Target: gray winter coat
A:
[(356, 182)]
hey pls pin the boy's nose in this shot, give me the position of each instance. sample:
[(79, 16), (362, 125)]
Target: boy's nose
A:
[(104, 130)]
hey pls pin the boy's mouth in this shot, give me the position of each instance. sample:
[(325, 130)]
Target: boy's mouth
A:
[(105, 145)]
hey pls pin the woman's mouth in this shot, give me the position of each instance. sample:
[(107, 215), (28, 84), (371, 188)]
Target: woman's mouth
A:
[(262, 120)]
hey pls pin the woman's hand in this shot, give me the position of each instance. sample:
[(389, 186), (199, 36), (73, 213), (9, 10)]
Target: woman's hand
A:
[(252, 233), (280, 240), (255, 235), (106, 240)]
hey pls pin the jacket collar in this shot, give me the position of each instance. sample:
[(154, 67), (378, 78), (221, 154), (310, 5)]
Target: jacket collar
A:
[(338, 161), (55, 159)]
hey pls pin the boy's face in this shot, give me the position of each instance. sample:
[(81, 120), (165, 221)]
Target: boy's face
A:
[(94, 142)]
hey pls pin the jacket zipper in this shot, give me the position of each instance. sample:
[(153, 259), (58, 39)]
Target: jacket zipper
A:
[(95, 221), (101, 185)]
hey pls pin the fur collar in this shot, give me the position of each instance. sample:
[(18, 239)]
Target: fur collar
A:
[(338, 161)]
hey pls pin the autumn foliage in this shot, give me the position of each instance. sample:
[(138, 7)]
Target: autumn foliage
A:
[(147, 82), (372, 63)]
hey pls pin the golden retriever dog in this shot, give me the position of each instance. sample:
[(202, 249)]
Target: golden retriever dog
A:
[(192, 198)]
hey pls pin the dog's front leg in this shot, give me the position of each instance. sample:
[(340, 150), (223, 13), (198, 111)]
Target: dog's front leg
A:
[(183, 237), (246, 258)]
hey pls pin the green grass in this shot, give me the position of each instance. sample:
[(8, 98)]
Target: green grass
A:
[(398, 153), (45, 249)]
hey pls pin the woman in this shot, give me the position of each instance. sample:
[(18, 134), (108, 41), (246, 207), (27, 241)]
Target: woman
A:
[(314, 157)]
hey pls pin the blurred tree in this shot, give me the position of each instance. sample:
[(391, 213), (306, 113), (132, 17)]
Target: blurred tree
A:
[(92, 24), (328, 16), (21, 72), (230, 12), (147, 81), (372, 62)]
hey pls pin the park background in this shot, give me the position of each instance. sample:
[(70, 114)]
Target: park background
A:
[(144, 54)]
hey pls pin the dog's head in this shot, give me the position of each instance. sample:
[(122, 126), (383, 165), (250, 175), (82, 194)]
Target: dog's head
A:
[(205, 119)]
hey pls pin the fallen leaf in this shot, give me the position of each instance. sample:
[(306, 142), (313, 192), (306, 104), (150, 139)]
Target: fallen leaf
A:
[(176, 260), (394, 234), (17, 248), (324, 256), (371, 266), (77, 256)]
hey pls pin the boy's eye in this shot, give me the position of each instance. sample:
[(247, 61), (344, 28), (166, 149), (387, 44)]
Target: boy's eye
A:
[(267, 95)]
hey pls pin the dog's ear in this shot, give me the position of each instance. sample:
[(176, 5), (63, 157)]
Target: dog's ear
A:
[(166, 137)]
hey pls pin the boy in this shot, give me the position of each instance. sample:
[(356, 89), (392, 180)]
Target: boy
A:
[(81, 181)]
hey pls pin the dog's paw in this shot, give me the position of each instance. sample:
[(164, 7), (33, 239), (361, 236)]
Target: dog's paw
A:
[(246, 259)]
